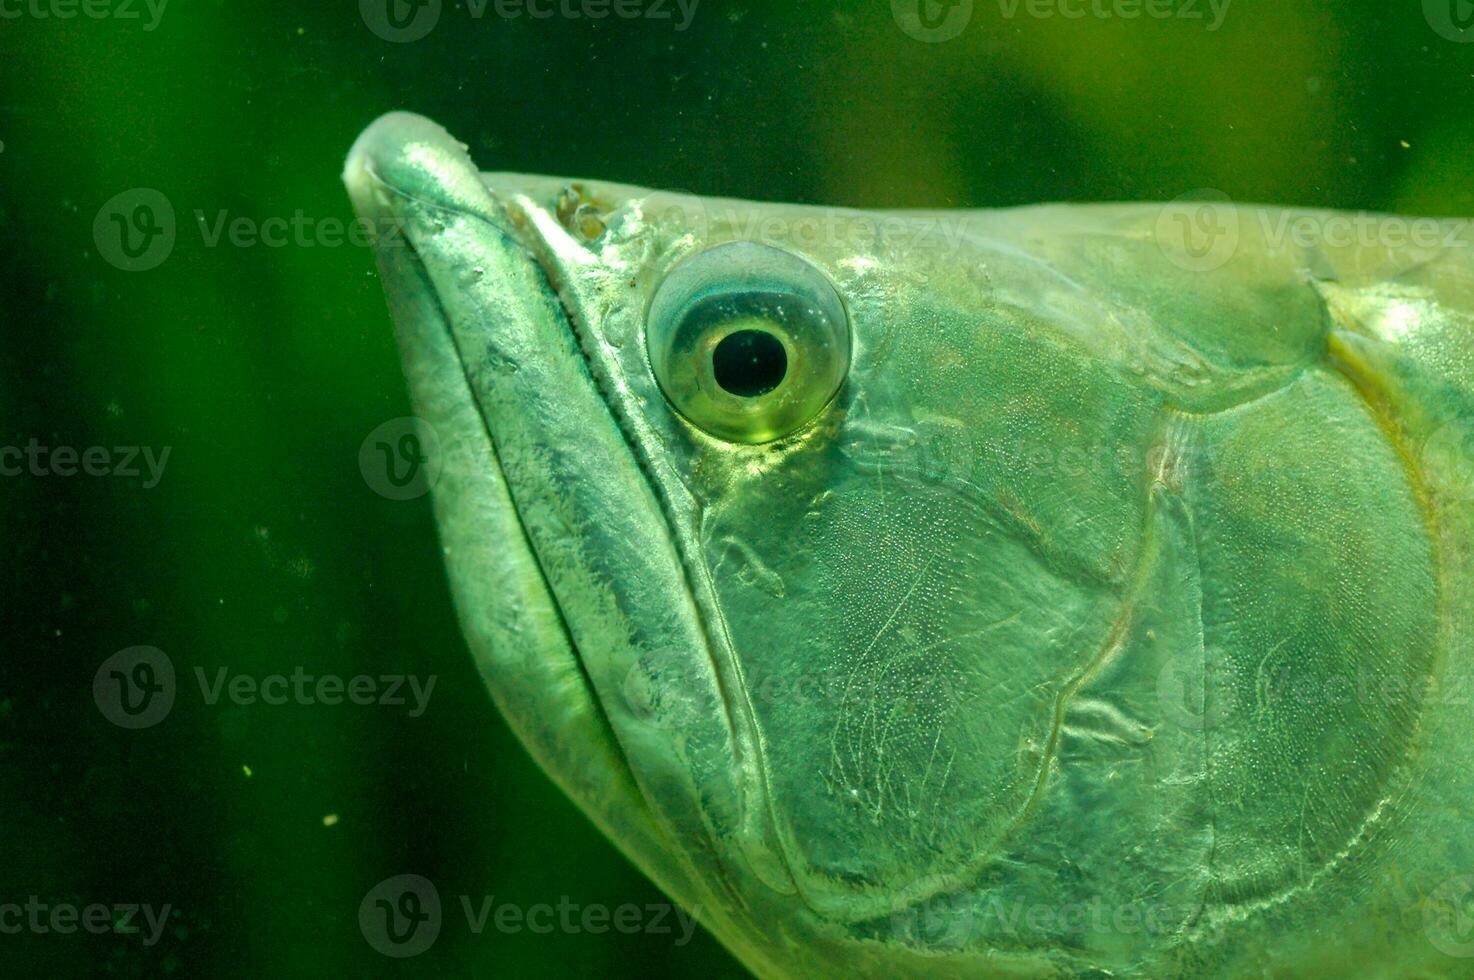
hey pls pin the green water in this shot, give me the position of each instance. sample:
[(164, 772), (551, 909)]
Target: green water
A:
[(182, 411)]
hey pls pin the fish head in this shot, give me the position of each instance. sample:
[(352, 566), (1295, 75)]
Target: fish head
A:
[(784, 535)]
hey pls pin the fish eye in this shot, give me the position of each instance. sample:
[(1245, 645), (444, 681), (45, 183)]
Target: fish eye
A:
[(747, 341)]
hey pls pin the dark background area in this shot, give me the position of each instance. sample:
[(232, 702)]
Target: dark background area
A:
[(262, 369)]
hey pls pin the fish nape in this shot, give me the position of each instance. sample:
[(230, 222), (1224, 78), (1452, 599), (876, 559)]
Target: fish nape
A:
[(1014, 593)]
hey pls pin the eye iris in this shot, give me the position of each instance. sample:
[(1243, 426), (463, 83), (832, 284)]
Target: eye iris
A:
[(749, 363), (739, 321)]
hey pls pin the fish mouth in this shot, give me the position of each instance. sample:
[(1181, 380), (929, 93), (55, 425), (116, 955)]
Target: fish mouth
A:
[(618, 658), (409, 180)]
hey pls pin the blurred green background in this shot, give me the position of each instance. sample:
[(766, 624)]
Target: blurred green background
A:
[(262, 368)]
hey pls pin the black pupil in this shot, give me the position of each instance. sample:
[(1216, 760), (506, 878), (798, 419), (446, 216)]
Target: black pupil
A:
[(749, 363)]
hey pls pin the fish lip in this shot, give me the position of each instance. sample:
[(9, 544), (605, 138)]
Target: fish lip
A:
[(402, 156), (408, 176), (405, 157), (411, 156)]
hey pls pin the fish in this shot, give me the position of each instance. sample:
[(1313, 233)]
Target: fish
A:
[(1057, 591)]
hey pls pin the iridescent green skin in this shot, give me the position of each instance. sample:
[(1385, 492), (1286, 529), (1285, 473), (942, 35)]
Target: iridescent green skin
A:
[(1114, 616)]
